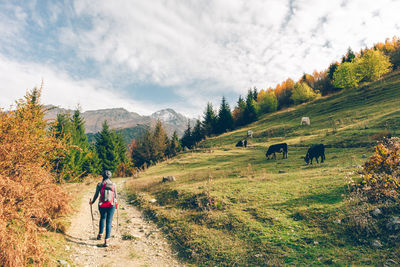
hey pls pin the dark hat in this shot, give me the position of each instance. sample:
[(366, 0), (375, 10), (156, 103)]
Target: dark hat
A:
[(107, 175)]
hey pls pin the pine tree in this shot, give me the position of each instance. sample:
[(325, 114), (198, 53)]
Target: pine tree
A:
[(153, 146), (198, 132), (187, 138), (120, 146), (107, 149), (160, 142), (209, 120), (225, 119), (79, 139), (72, 131), (174, 145), (250, 112), (62, 127), (349, 57), (255, 93), (238, 112), (142, 154)]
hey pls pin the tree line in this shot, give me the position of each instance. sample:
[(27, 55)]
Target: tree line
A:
[(109, 151), (368, 65)]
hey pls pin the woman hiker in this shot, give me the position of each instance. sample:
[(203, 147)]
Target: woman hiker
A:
[(107, 205)]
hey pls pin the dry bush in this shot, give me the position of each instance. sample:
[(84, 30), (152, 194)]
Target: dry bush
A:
[(379, 136), (125, 169), (29, 197), (360, 223)]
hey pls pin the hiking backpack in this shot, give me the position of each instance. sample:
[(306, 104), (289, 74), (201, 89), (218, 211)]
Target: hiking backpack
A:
[(107, 194)]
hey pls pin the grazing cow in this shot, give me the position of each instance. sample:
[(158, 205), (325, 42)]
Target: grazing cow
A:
[(277, 148), (242, 143), (315, 151), (305, 121)]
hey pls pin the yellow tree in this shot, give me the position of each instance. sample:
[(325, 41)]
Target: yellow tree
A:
[(372, 65)]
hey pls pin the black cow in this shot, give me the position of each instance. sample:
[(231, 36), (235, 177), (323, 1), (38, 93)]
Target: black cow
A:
[(242, 143), (315, 151), (277, 148)]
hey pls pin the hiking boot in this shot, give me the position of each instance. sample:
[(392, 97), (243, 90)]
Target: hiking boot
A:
[(99, 236), (106, 243)]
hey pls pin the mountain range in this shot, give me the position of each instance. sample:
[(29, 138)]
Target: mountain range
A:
[(119, 119)]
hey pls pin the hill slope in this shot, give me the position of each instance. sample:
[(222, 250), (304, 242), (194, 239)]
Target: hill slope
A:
[(232, 206)]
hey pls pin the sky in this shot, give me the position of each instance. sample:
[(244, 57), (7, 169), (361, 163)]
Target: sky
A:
[(149, 55)]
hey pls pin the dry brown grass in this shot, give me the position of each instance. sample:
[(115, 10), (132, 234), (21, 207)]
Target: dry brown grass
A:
[(30, 199)]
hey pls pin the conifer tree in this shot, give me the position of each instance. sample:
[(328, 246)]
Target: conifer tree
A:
[(107, 149), (153, 146), (209, 120), (250, 112), (72, 131), (142, 153), (198, 132), (160, 142), (225, 119), (78, 139), (187, 138), (174, 145), (255, 93), (238, 112), (349, 57)]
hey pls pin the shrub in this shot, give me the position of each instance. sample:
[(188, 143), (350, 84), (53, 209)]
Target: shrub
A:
[(29, 197), (381, 174)]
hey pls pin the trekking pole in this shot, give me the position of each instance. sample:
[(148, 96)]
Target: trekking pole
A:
[(91, 212), (118, 220)]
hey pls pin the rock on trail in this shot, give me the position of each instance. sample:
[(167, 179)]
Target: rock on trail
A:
[(138, 242)]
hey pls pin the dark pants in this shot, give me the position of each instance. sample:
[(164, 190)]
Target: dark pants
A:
[(106, 214)]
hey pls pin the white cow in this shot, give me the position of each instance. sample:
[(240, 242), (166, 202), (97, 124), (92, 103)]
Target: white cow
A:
[(305, 121)]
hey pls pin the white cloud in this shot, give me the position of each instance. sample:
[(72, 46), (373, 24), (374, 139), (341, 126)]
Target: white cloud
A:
[(202, 48), (229, 42), (60, 89)]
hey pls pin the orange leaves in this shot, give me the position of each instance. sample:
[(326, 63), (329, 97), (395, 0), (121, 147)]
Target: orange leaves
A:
[(382, 171), (29, 198)]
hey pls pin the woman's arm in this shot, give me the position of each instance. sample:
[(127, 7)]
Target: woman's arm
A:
[(96, 194)]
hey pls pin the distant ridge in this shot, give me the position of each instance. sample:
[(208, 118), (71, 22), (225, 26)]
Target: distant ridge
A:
[(120, 118)]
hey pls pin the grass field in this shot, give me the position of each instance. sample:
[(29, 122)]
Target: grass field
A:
[(233, 206)]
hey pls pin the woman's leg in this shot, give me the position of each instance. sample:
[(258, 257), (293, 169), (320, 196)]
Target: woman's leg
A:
[(102, 219), (110, 214)]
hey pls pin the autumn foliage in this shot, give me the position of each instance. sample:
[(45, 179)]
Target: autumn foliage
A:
[(381, 179), (30, 200)]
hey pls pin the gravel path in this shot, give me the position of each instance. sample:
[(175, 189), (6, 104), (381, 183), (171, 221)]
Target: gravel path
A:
[(143, 244)]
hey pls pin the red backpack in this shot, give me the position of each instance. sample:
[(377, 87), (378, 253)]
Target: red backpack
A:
[(107, 194)]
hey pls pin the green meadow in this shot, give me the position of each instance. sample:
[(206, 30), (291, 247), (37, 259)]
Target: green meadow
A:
[(231, 206)]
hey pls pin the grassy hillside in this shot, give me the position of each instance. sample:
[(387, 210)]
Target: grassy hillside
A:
[(233, 206)]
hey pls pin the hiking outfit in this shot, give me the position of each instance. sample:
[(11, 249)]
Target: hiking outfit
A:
[(107, 205)]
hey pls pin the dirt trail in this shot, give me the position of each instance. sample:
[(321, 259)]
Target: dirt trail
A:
[(144, 244)]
